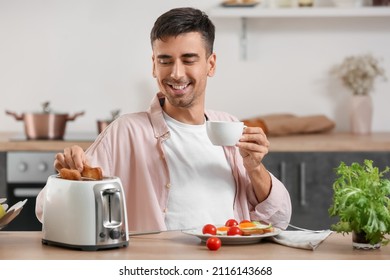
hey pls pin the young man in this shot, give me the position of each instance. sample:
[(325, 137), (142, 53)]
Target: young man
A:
[(173, 177)]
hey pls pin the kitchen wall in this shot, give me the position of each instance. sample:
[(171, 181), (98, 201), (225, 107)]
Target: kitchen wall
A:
[(95, 55)]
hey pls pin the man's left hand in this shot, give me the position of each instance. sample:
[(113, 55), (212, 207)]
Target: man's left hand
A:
[(253, 147)]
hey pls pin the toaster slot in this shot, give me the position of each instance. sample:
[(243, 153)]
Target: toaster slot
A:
[(112, 212)]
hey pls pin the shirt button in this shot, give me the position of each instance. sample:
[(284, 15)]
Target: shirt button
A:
[(168, 185), (165, 210)]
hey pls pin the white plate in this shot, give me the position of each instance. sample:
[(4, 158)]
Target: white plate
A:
[(233, 240), (11, 213), (18, 205)]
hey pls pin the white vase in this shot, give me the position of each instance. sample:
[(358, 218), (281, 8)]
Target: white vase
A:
[(361, 111)]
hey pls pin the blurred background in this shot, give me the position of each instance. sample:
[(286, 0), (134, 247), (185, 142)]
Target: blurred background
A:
[(95, 56)]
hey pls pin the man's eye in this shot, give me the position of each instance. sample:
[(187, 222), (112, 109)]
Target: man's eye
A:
[(164, 61), (192, 61)]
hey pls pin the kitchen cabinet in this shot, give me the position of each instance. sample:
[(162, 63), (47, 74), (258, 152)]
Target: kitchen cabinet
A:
[(309, 177), (260, 12)]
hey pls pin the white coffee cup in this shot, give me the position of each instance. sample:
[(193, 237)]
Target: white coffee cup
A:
[(224, 133)]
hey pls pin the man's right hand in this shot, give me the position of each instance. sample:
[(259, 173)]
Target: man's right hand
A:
[(72, 157)]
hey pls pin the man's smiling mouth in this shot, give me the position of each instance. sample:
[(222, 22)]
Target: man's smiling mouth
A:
[(178, 86)]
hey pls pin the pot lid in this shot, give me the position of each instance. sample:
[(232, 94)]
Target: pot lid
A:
[(46, 109)]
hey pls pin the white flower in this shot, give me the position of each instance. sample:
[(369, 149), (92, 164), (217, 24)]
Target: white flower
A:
[(358, 73)]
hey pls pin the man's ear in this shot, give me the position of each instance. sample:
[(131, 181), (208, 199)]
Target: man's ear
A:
[(212, 60)]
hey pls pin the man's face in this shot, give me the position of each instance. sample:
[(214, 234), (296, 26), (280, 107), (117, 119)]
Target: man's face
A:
[(181, 68)]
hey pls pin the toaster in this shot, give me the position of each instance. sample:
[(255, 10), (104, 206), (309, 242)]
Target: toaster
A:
[(87, 215)]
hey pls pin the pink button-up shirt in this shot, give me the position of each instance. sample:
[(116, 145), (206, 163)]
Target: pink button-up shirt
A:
[(131, 148)]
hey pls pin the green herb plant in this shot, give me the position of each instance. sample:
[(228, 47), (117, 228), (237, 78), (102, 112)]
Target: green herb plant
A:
[(361, 201)]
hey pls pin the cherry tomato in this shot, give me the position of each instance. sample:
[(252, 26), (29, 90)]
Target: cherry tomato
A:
[(209, 229), (245, 221), (213, 243), (234, 231), (231, 223)]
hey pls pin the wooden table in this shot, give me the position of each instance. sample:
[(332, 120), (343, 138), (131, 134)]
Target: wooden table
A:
[(179, 246)]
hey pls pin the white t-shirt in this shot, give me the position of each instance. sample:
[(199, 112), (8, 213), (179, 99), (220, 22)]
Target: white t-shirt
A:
[(202, 186)]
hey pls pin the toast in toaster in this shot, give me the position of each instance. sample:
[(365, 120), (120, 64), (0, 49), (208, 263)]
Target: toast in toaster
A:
[(70, 174), (92, 172)]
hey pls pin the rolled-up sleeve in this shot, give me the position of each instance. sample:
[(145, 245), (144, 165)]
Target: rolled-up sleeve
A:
[(276, 209)]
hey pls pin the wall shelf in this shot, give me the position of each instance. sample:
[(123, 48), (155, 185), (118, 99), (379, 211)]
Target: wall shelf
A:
[(261, 12), (244, 13)]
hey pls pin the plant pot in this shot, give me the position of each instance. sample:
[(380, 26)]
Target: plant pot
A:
[(359, 241)]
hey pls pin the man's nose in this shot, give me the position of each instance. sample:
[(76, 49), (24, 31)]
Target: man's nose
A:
[(177, 70)]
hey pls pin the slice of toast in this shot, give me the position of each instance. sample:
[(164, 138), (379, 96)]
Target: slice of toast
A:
[(253, 231), (94, 173), (70, 174)]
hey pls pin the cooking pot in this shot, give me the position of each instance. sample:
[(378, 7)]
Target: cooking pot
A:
[(102, 124), (44, 125)]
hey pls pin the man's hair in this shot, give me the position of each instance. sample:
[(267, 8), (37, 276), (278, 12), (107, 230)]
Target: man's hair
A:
[(184, 20)]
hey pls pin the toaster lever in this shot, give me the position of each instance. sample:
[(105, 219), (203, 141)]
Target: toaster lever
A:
[(110, 191)]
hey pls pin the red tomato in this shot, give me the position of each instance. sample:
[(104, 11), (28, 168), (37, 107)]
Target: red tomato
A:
[(245, 221), (209, 229), (231, 223), (234, 231), (213, 243)]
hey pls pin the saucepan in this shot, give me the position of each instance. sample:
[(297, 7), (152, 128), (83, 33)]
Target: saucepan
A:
[(45, 125), (102, 124)]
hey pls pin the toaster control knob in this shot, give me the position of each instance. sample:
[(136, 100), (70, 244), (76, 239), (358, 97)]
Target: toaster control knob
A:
[(42, 166), (115, 234), (22, 167)]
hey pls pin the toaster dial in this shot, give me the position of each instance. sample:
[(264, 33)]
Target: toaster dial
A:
[(115, 234)]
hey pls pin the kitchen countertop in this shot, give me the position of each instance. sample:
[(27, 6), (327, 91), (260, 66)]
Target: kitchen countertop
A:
[(15, 142), (175, 245), (331, 142)]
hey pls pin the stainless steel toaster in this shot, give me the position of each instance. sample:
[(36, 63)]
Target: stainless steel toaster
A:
[(86, 215)]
